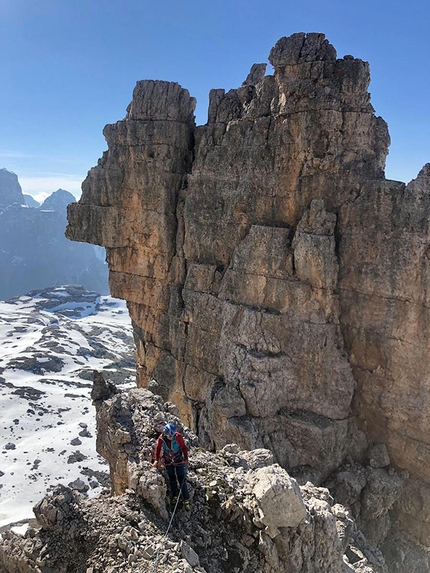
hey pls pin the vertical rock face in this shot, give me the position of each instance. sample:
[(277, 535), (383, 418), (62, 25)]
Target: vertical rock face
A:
[(129, 205), (276, 281), (384, 285)]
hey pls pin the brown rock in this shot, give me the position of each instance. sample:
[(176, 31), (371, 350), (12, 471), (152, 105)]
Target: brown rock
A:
[(277, 283), (257, 518)]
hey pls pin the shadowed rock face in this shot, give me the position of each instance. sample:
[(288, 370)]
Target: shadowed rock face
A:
[(276, 281)]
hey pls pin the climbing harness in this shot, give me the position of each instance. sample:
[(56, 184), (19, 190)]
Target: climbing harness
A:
[(172, 453)]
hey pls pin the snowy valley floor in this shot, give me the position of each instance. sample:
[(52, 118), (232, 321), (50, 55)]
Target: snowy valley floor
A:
[(51, 341)]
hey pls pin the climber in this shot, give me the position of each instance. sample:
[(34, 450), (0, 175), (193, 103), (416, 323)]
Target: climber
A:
[(175, 458)]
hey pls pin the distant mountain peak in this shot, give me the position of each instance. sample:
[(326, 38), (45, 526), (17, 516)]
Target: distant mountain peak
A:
[(10, 189), (58, 201), (31, 201)]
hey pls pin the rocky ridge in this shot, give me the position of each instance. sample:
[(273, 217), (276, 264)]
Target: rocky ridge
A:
[(247, 513), (276, 281)]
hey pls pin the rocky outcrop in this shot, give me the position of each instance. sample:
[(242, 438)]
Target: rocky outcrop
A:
[(277, 282), (247, 514)]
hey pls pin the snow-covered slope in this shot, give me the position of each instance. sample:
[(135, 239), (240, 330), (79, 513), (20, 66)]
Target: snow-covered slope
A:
[(50, 343)]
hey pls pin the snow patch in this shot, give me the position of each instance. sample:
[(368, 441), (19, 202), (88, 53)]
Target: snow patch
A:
[(51, 342)]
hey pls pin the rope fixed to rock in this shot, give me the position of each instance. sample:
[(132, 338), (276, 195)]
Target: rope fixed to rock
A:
[(157, 555)]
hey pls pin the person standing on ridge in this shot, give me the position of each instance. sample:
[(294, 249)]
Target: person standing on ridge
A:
[(172, 449)]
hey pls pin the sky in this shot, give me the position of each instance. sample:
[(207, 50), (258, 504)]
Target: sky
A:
[(68, 67)]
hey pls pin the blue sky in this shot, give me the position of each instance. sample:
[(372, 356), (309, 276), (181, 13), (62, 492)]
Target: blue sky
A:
[(69, 67)]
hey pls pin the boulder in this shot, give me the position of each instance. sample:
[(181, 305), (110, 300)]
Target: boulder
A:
[(278, 499)]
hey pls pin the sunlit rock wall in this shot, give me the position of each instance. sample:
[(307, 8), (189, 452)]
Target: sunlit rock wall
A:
[(277, 282)]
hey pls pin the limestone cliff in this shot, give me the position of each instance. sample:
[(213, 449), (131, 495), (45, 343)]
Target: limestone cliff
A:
[(276, 281)]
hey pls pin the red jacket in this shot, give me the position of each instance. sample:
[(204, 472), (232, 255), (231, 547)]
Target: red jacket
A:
[(173, 451)]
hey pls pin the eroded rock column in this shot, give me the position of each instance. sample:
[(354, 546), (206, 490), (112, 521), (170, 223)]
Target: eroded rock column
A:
[(129, 205)]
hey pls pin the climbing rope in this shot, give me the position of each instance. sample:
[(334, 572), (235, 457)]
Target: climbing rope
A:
[(157, 555)]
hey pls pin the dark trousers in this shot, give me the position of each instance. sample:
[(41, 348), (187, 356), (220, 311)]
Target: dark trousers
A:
[(178, 472)]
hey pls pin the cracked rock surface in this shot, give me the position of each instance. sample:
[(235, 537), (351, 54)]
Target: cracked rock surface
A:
[(277, 282)]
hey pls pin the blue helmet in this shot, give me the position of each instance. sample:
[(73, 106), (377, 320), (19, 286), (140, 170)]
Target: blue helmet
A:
[(169, 430)]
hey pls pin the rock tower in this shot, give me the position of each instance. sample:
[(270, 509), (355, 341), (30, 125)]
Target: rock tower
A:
[(278, 284)]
